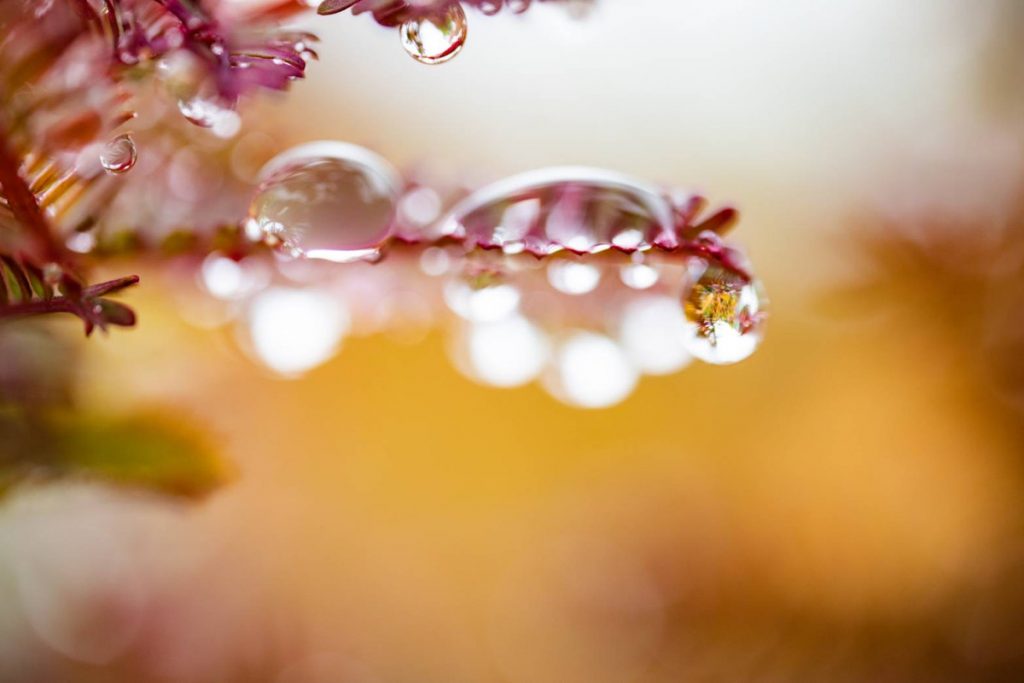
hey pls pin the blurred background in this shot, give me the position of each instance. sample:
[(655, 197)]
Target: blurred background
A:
[(845, 505)]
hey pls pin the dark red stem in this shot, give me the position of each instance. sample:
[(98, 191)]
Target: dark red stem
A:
[(43, 246)]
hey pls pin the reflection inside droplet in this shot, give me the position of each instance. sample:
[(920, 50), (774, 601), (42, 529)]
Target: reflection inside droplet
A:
[(725, 316)]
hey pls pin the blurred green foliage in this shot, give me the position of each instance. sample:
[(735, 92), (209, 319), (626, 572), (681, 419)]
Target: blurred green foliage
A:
[(44, 437)]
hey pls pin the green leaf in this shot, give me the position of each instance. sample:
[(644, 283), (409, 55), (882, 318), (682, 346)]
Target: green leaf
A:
[(144, 452)]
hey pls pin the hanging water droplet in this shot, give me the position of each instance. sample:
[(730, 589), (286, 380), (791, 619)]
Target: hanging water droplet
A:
[(222, 121), (639, 276), (573, 277), (591, 371), (582, 210), (490, 7), (326, 200), (435, 261), (119, 155), (653, 332), (725, 317), (292, 331), (334, 6), (505, 353), (482, 295), (435, 38)]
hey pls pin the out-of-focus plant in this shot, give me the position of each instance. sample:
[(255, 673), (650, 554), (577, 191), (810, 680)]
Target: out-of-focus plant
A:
[(79, 81), (119, 135)]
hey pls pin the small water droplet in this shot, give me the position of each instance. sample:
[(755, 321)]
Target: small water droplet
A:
[(490, 7), (222, 121), (434, 261), (292, 331), (53, 273), (591, 371), (334, 6), (573, 277), (505, 353), (482, 295), (420, 207), (725, 316), (81, 242), (653, 332), (326, 200), (119, 155), (435, 38), (639, 276)]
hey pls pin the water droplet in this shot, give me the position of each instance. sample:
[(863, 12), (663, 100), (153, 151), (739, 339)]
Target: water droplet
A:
[(119, 155), (222, 121), (482, 295), (505, 353), (334, 6), (228, 279), (490, 7), (81, 242), (573, 277), (725, 317), (326, 200), (435, 261), (518, 6), (294, 330), (591, 371), (639, 276), (582, 210), (53, 273), (182, 73), (419, 207), (435, 38), (653, 332)]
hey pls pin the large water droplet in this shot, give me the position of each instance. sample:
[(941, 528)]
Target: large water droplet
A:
[(119, 155), (582, 210), (435, 38), (326, 200), (725, 317)]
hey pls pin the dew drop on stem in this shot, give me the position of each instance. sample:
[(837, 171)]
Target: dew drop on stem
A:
[(326, 200), (119, 155), (435, 38)]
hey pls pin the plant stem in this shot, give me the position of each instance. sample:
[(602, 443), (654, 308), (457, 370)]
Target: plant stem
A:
[(44, 247)]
